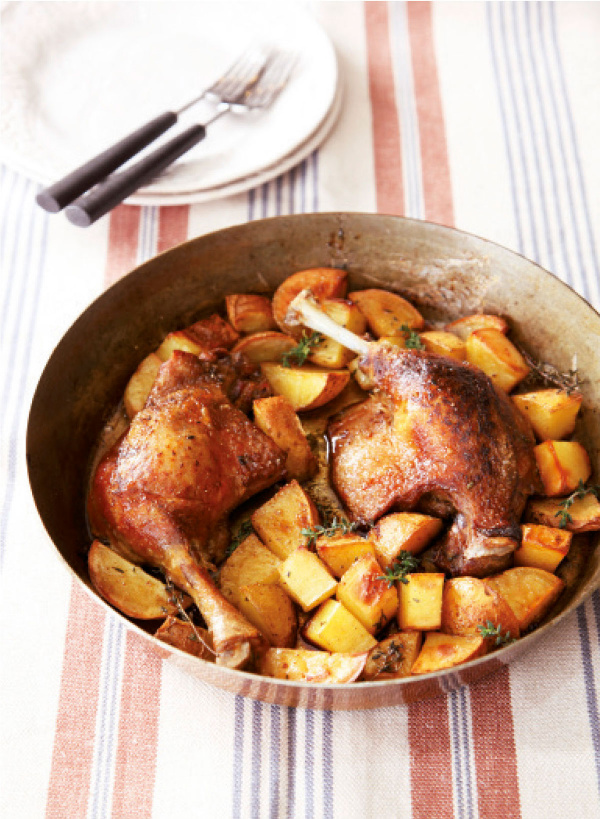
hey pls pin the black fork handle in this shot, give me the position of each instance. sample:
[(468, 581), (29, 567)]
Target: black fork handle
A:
[(105, 196), (63, 192)]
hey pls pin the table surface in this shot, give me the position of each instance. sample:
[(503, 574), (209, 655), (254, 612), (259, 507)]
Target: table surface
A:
[(482, 116)]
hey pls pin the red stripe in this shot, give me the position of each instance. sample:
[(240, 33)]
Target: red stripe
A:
[(437, 187), (386, 126), (172, 226), (72, 757), (494, 747), (430, 760), (123, 232)]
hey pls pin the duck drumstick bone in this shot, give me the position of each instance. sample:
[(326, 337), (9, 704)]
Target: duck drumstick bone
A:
[(436, 436)]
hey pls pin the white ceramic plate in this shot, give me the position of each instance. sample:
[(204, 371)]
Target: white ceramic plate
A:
[(77, 76)]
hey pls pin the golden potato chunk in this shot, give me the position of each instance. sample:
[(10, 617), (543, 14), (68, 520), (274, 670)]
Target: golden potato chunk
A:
[(329, 353), (562, 465), (307, 387), (552, 413), (279, 522), (248, 313), (276, 417), (542, 547), (402, 531), (444, 343), (312, 666), (306, 579), (270, 609), (139, 385), (340, 552), (463, 327), (492, 352), (393, 657), (191, 639), (323, 282), (468, 604), (420, 601), (252, 562), (127, 587), (529, 592), (387, 314), (334, 628), (583, 515), (447, 650), (267, 346), (178, 340), (365, 593)]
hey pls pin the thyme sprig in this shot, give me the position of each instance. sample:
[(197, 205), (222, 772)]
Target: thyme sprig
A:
[(301, 351), (550, 375), (387, 660), (412, 338), (244, 531), (176, 598), (490, 630), (581, 491), (336, 526), (404, 564)]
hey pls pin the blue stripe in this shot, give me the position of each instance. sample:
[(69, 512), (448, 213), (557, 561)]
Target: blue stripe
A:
[(238, 755), (309, 762), (595, 599), (291, 761), (256, 757), (590, 687), (327, 764), (466, 738), (274, 761), (456, 755)]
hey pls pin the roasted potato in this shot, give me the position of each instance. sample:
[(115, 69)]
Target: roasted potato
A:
[(178, 340), (552, 413), (529, 592), (306, 387), (470, 604), (270, 609), (187, 637), (248, 313), (463, 327), (306, 579), (280, 521), (582, 515), (334, 628), (447, 650), (329, 353), (492, 352), (139, 385), (323, 282), (367, 594), (562, 466), (340, 552), (387, 314), (267, 346), (276, 417), (402, 531), (542, 547), (312, 666), (444, 343), (393, 657), (252, 562), (420, 601)]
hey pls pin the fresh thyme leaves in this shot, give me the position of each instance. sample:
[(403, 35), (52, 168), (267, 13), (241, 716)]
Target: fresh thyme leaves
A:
[(242, 533), (175, 597), (412, 339), (581, 491), (550, 375), (301, 351), (335, 527), (404, 564), (490, 630), (388, 659)]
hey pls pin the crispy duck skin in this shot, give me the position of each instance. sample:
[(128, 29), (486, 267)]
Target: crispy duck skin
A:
[(437, 436), (163, 492)]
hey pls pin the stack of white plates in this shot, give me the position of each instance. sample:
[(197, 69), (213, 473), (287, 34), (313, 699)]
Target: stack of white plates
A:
[(78, 76)]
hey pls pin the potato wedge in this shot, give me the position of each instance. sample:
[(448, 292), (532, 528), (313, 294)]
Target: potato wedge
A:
[(276, 417), (463, 327), (583, 514), (529, 592), (444, 343), (393, 657), (252, 562), (340, 552), (248, 313), (178, 340), (306, 579), (447, 650), (267, 346), (307, 387), (492, 352), (329, 353), (420, 601), (312, 666), (128, 587), (334, 628), (191, 639), (403, 531), (365, 593), (552, 413), (469, 603), (270, 609), (542, 547), (139, 385), (323, 282), (279, 522), (386, 313), (562, 465)]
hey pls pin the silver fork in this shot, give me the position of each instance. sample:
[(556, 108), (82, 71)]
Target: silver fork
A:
[(237, 79)]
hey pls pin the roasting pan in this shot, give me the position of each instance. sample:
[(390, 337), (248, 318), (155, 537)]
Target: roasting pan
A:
[(446, 273)]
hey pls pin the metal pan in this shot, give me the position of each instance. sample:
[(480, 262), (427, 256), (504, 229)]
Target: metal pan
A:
[(445, 272)]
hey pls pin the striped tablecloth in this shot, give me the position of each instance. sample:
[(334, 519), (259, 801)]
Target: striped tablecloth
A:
[(484, 116)]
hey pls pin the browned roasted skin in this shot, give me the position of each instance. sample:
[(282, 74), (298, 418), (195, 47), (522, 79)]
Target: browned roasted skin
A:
[(165, 489), (441, 438)]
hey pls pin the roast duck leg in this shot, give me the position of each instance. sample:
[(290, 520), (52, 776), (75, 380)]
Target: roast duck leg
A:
[(436, 436), (162, 493)]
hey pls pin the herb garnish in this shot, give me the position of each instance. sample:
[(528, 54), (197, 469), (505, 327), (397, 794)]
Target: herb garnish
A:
[(581, 491), (404, 564), (301, 351), (342, 526), (490, 630), (568, 382), (387, 660), (412, 338), (176, 597), (242, 533)]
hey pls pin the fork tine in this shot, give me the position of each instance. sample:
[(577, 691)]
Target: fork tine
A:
[(271, 82), (238, 76)]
